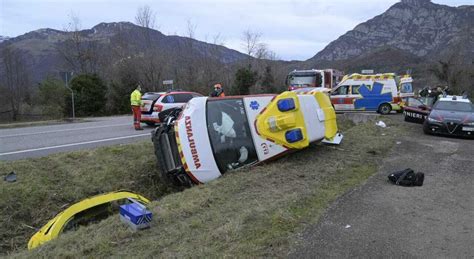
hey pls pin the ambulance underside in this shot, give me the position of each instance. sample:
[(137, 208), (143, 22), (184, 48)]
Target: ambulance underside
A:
[(167, 153)]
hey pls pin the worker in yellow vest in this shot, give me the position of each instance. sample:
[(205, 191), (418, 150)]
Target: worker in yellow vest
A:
[(136, 101)]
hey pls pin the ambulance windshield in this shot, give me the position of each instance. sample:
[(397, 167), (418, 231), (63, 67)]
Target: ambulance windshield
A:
[(304, 79), (406, 88), (230, 135)]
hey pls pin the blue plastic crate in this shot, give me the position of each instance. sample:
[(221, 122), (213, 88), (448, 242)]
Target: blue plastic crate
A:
[(135, 215)]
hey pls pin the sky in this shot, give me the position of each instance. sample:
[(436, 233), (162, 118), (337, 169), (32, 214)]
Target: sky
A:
[(293, 29)]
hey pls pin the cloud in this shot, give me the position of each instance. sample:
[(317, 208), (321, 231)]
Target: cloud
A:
[(294, 29)]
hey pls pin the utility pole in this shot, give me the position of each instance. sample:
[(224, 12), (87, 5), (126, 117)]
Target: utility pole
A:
[(66, 76)]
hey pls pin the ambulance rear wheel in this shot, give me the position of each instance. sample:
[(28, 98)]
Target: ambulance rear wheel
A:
[(385, 108)]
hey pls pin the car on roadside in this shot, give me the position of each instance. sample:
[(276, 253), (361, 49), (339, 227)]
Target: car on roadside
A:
[(155, 102), (211, 136), (451, 116), (84, 212), (417, 109)]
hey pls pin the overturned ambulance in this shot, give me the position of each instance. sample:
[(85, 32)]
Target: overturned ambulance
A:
[(210, 136)]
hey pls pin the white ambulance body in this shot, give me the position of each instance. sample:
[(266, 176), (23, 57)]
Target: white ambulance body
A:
[(214, 135)]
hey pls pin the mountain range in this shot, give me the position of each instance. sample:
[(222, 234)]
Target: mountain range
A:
[(3, 38), (409, 33), (43, 48), (417, 27)]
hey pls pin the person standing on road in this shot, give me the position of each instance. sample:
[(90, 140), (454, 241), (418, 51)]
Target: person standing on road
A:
[(136, 102), (218, 91)]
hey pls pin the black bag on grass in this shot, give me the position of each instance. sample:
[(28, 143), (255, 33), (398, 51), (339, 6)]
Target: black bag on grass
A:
[(407, 177)]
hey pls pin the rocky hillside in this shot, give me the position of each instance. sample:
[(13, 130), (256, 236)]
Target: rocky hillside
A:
[(42, 48), (3, 38), (411, 34), (416, 27)]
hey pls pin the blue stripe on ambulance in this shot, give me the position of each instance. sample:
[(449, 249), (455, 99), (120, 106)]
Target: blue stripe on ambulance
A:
[(372, 98)]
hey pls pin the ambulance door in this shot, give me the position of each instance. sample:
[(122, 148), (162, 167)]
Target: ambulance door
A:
[(341, 98)]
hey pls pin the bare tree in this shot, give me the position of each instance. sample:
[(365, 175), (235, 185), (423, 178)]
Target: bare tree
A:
[(15, 79), (152, 60), (448, 72), (187, 55), (260, 60), (145, 17), (191, 29), (211, 69), (80, 54), (262, 51), (217, 39), (251, 41)]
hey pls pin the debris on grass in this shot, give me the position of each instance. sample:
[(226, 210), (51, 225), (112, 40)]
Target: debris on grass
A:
[(407, 177), (10, 177), (381, 124)]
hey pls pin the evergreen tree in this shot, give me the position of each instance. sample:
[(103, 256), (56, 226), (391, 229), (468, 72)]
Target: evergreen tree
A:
[(89, 95), (51, 95), (120, 90), (244, 79), (268, 81)]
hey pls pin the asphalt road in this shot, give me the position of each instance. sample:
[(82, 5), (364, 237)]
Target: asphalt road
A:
[(382, 220), (19, 143)]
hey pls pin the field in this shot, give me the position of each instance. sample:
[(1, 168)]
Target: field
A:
[(249, 212)]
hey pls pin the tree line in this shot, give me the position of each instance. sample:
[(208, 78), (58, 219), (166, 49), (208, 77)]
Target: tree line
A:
[(104, 78), (105, 75)]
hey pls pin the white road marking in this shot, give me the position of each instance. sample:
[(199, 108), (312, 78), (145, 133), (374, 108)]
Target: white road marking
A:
[(72, 144), (54, 131)]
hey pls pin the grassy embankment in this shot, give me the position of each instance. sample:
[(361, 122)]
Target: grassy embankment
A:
[(251, 212), (47, 185)]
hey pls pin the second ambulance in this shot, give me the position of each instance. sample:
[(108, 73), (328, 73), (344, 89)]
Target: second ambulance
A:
[(380, 92)]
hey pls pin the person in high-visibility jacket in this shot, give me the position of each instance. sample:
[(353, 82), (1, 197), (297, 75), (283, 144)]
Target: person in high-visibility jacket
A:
[(218, 91), (136, 102)]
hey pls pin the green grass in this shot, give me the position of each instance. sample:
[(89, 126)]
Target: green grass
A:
[(45, 186), (247, 213)]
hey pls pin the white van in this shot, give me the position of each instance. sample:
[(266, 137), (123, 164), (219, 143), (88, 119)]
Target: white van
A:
[(380, 92)]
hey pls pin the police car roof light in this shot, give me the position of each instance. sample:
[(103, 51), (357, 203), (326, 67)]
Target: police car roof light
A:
[(286, 104), (294, 135)]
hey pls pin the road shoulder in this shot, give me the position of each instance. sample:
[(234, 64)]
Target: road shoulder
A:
[(379, 219)]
